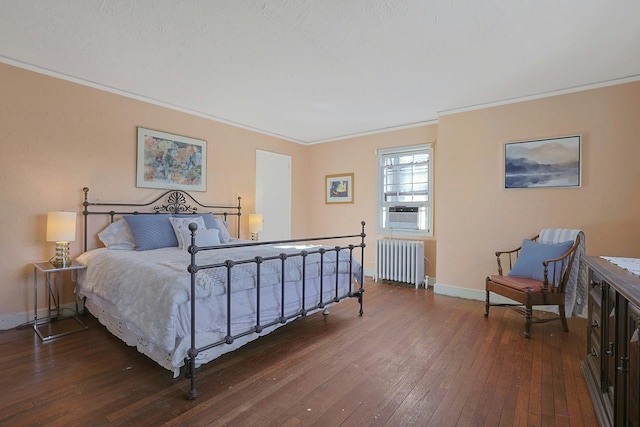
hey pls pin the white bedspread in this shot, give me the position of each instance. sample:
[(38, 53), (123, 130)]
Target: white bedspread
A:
[(148, 287), (146, 292)]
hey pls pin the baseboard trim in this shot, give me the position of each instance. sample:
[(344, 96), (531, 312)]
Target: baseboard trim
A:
[(466, 293), (26, 318)]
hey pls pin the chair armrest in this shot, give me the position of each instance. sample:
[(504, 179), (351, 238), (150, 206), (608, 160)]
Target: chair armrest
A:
[(512, 254), (564, 263), (498, 253)]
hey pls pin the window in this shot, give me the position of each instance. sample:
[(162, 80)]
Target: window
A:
[(404, 191)]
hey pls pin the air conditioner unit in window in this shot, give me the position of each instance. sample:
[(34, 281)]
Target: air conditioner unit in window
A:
[(403, 217)]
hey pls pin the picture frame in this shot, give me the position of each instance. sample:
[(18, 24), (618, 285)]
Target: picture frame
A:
[(169, 161), (339, 188), (544, 163)]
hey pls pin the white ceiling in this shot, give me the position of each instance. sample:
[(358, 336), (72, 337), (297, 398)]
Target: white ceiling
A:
[(319, 70)]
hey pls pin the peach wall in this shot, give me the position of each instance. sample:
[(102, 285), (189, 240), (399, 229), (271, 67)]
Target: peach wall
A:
[(475, 216), (58, 137), (358, 155)]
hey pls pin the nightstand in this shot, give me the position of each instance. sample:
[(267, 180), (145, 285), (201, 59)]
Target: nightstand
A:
[(51, 327)]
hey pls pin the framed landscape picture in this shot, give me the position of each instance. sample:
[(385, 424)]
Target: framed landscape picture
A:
[(339, 188), (552, 162), (171, 161)]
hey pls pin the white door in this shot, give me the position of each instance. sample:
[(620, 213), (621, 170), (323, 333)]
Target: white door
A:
[(273, 194)]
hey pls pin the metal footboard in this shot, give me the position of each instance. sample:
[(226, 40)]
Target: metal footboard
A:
[(259, 326)]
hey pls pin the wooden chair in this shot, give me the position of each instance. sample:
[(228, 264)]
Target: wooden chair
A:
[(543, 285)]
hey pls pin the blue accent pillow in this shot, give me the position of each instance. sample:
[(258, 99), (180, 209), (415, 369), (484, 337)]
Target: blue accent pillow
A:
[(151, 231), (529, 262), (209, 219)]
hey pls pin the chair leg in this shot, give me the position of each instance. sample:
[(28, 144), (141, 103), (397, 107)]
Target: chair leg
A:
[(486, 305), (528, 316), (563, 318)]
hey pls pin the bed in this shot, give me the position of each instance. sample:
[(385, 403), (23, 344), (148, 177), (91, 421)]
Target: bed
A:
[(167, 277)]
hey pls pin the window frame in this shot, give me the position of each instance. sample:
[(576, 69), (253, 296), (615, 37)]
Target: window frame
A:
[(428, 205)]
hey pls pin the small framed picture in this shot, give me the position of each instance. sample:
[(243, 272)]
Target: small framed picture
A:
[(171, 162), (339, 188)]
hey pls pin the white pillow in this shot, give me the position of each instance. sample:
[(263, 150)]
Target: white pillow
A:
[(225, 237), (209, 237), (117, 235), (181, 228)]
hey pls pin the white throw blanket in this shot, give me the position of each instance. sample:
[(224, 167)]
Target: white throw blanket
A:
[(576, 290)]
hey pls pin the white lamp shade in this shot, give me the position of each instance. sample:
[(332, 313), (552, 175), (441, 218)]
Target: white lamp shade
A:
[(61, 226), (255, 223)]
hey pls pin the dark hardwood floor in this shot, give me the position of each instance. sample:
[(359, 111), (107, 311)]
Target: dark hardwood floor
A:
[(414, 359)]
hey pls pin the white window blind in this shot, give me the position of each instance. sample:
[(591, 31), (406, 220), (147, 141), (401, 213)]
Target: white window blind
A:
[(404, 190)]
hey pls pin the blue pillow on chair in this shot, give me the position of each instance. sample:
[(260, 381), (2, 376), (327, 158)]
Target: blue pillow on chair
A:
[(529, 262), (151, 231)]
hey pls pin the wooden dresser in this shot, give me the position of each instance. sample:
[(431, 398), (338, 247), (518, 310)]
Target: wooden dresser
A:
[(612, 365)]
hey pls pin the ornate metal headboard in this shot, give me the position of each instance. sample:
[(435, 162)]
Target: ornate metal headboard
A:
[(172, 201)]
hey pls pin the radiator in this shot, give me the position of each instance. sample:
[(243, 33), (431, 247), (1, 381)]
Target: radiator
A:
[(400, 261)]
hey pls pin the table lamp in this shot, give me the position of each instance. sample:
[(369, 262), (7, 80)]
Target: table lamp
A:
[(255, 225), (61, 228)]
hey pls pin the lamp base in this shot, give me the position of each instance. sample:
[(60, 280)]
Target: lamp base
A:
[(60, 264), (61, 259)]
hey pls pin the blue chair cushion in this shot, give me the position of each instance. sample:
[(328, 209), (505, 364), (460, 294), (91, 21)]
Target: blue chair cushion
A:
[(529, 262)]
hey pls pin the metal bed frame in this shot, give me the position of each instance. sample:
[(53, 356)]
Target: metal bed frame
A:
[(175, 201)]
